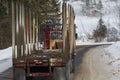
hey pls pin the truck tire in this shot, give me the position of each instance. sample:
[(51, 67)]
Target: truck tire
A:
[(59, 73), (68, 70), (19, 74), (72, 64)]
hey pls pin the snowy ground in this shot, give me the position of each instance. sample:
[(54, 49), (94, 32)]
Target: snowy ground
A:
[(101, 63)]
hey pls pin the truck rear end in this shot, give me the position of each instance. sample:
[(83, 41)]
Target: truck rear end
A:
[(42, 63)]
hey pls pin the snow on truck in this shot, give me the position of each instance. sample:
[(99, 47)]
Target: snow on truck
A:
[(42, 52)]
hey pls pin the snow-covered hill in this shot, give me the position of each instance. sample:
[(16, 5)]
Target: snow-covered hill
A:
[(87, 23)]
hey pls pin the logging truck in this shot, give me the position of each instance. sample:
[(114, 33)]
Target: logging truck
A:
[(42, 53)]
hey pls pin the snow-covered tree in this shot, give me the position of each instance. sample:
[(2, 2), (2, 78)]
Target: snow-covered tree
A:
[(101, 31), (87, 3), (49, 10), (99, 5)]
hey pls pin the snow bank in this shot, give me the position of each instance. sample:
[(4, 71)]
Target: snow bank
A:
[(91, 42), (6, 53), (111, 57), (114, 50), (5, 59), (5, 64)]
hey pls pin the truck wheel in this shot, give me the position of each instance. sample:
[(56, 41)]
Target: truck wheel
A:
[(59, 73), (72, 66), (67, 72), (19, 74)]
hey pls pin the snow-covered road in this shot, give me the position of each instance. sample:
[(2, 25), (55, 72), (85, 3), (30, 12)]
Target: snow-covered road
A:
[(98, 64)]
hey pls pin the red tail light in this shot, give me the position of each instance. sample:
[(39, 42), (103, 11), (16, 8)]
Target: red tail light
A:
[(32, 74), (39, 74), (46, 74)]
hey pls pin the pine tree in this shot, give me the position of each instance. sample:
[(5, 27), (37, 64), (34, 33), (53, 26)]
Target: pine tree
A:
[(101, 31), (49, 10), (56, 7), (87, 3), (53, 10), (102, 28), (99, 5)]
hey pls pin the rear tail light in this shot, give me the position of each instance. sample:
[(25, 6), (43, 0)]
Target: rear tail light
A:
[(46, 74), (39, 74), (32, 74)]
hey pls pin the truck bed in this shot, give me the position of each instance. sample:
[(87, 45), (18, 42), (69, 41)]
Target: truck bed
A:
[(39, 53), (43, 56)]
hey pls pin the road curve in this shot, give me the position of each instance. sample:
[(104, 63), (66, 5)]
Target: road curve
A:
[(94, 66)]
